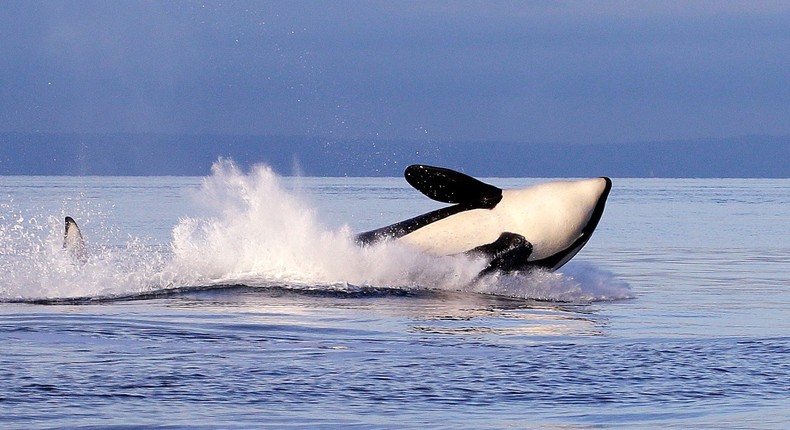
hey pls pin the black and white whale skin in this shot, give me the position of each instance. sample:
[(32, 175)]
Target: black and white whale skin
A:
[(540, 227)]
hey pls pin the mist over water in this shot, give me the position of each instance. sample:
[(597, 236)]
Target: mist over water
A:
[(254, 231)]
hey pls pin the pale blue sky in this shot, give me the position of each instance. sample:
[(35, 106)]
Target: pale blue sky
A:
[(540, 71)]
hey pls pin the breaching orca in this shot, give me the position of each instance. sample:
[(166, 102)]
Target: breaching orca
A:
[(73, 242), (542, 226)]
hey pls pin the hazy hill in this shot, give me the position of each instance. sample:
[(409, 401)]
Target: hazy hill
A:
[(154, 154)]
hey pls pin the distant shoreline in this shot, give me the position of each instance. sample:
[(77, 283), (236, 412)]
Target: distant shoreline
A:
[(82, 154)]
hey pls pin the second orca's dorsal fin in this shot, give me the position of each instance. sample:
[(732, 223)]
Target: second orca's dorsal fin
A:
[(73, 241), (449, 186)]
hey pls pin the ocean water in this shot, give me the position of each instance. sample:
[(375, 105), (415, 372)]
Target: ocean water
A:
[(239, 300)]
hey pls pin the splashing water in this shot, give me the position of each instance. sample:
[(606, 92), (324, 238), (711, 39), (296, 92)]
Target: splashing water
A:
[(33, 264), (257, 233), (263, 233)]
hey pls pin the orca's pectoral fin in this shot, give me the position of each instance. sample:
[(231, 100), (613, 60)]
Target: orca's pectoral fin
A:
[(73, 241), (508, 253), (449, 186), (505, 242)]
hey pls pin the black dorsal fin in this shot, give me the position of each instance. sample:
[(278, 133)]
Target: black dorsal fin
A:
[(449, 186), (73, 242)]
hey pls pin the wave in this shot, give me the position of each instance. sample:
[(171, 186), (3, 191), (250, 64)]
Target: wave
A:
[(257, 233)]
